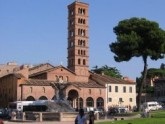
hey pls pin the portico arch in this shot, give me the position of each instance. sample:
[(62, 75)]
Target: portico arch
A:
[(72, 98), (100, 102), (43, 98), (30, 98)]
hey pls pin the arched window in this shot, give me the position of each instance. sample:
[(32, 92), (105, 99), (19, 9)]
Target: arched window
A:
[(56, 78), (100, 102), (90, 102), (43, 98), (84, 62), (79, 61), (30, 98), (31, 89), (67, 78)]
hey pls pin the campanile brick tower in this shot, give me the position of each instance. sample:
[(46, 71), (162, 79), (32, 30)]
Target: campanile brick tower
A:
[(78, 46)]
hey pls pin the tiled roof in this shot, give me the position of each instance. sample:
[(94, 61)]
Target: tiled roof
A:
[(88, 85), (36, 82), (17, 75), (104, 79), (48, 70), (40, 65)]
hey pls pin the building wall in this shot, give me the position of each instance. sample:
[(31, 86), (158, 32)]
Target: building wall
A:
[(37, 92), (85, 93), (61, 74), (8, 89), (126, 96)]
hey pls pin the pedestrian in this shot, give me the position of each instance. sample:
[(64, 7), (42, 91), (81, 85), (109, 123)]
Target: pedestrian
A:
[(81, 118), (1, 122), (91, 117)]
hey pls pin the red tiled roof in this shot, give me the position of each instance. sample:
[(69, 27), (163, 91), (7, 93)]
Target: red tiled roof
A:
[(17, 75), (36, 82), (104, 79), (88, 85)]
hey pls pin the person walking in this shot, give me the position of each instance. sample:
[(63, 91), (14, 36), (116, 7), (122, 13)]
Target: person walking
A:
[(81, 118), (1, 121), (91, 117)]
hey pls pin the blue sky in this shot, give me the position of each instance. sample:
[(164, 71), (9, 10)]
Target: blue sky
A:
[(35, 31)]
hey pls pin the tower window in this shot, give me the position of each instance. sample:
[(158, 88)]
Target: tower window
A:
[(81, 11), (84, 62), (79, 61), (78, 52), (84, 53)]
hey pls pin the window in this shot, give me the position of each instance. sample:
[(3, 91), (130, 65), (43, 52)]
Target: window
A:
[(116, 88), (89, 91), (81, 11), (31, 89), (130, 89), (56, 78), (43, 89), (130, 99), (109, 99), (67, 78), (79, 61), (124, 89), (120, 100), (84, 62), (78, 52), (110, 90)]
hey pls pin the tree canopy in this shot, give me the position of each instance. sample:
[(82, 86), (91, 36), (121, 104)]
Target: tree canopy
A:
[(138, 37), (109, 71), (154, 72)]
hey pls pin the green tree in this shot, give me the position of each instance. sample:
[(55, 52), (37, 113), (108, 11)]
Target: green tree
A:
[(109, 71), (154, 72), (138, 37)]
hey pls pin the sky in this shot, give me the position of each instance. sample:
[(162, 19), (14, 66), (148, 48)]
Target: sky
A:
[(35, 31)]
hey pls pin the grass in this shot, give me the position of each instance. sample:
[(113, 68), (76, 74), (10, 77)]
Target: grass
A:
[(157, 117)]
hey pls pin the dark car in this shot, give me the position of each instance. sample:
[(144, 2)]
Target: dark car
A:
[(113, 111), (4, 114)]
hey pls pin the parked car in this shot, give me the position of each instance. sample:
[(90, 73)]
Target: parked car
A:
[(113, 111), (117, 110)]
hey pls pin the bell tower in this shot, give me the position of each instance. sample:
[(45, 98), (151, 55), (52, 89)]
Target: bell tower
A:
[(78, 46)]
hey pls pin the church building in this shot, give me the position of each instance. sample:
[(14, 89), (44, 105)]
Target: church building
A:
[(79, 86)]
